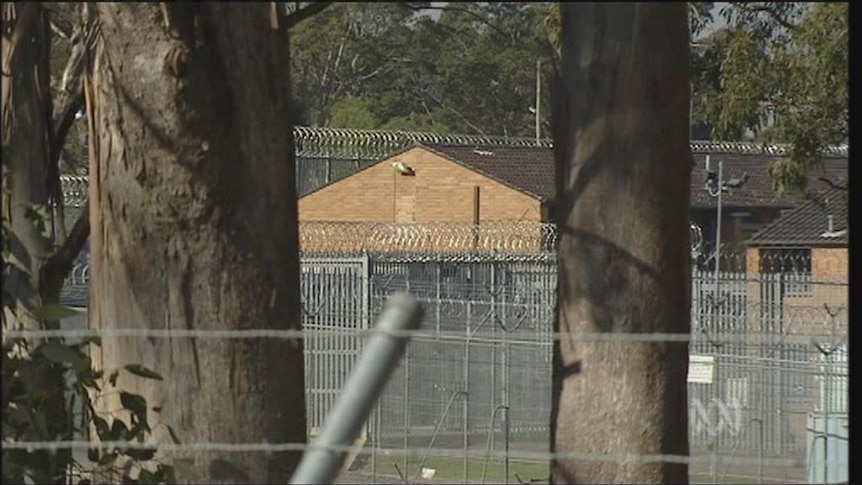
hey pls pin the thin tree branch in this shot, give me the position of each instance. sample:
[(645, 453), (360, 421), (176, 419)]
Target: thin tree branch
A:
[(453, 8), (772, 13), (57, 267), (304, 13)]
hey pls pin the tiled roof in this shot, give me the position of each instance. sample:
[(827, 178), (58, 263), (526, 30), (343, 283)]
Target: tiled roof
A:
[(757, 191), (531, 170), (807, 224)]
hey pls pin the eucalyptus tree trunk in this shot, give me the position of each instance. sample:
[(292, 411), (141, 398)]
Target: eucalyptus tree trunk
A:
[(27, 144), (194, 224), (26, 125), (623, 171)]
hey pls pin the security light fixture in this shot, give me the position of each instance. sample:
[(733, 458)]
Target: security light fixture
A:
[(403, 168)]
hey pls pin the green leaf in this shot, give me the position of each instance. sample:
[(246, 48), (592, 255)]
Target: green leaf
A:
[(93, 454), (55, 311), (118, 430), (60, 353), (136, 404), (41, 422), (140, 454), (16, 416), (142, 371), (101, 425), (108, 459), (83, 368), (173, 435), (92, 339), (147, 476), (168, 475)]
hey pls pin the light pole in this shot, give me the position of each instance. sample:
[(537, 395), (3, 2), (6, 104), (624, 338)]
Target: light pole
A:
[(538, 101), (715, 185)]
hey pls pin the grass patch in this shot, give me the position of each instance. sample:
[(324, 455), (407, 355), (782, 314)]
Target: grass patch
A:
[(451, 470)]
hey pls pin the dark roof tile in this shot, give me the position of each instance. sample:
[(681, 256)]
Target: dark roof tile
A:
[(807, 224), (524, 168), (531, 170), (757, 191)]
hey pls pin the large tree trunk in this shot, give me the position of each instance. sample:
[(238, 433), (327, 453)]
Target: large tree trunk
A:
[(27, 144), (623, 171), (193, 214)]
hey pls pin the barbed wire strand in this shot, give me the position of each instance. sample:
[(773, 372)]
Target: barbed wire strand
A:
[(455, 335), (437, 452)]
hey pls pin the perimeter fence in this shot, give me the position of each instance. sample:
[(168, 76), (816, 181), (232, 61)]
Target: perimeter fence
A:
[(471, 398)]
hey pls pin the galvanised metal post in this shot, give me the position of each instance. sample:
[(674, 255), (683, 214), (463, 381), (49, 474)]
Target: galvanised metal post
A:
[(321, 463)]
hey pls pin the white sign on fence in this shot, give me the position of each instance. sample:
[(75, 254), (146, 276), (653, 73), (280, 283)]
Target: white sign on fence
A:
[(700, 368)]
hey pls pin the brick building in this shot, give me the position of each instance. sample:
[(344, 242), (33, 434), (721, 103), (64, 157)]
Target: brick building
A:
[(807, 246), (798, 269), (470, 184)]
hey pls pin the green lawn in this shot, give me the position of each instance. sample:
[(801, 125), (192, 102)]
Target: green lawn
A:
[(451, 470)]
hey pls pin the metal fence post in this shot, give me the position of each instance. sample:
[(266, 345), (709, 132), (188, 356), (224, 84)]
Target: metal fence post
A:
[(321, 463)]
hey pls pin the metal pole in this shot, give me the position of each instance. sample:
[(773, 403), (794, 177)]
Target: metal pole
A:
[(718, 224), (716, 309), (466, 406), (405, 415), (826, 417), (492, 401), (506, 440), (538, 101), (320, 463)]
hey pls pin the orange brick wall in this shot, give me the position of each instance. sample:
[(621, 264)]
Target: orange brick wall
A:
[(441, 191), (806, 313), (829, 263)]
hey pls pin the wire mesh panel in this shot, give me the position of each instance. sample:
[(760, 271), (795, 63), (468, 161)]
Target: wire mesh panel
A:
[(334, 297), (478, 375)]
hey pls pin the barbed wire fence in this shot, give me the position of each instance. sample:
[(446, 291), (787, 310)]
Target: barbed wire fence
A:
[(327, 154), (471, 398)]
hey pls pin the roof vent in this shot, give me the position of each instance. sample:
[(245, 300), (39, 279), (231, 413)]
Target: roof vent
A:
[(485, 153), (831, 233)]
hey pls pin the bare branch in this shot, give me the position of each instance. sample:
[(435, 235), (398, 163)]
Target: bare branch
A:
[(304, 13), (767, 10), (453, 8)]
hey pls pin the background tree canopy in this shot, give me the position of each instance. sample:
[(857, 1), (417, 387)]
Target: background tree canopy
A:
[(773, 72), (393, 66), (777, 73)]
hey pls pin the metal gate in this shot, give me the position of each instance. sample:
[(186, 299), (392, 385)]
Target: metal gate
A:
[(334, 297)]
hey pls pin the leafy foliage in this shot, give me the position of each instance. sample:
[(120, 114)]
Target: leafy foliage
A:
[(779, 72), (472, 69), (30, 412), (27, 414)]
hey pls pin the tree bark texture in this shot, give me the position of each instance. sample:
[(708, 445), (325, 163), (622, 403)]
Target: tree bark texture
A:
[(27, 147), (623, 172), (193, 215)]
